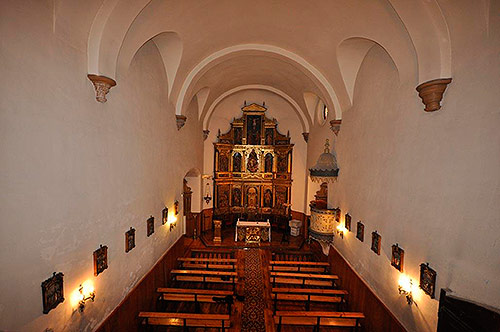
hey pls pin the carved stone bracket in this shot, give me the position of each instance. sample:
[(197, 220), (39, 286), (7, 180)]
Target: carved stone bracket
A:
[(335, 126), (102, 84), (431, 93), (206, 132), (306, 136), (181, 121)]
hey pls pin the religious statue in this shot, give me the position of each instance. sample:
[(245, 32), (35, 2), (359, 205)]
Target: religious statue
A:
[(268, 198), (252, 198), (223, 163), (237, 162), (236, 197), (253, 163), (268, 164), (253, 129)]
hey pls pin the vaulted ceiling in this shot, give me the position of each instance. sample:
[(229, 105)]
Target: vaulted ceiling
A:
[(211, 48)]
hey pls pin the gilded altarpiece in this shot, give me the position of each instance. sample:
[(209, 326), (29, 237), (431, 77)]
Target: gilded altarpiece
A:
[(253, 167)]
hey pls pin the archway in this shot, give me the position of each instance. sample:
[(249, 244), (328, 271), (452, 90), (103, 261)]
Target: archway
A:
[(191, 196)]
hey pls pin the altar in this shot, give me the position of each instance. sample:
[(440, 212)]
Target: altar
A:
[(253, 231)]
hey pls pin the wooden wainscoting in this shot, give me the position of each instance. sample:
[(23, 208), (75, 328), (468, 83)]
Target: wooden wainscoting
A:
[(143, 296), (361, 298)]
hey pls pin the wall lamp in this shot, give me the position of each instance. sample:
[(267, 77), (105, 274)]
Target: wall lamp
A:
[(172, 222), (208, 196), (85, 293), (405, 288), (341, 230)]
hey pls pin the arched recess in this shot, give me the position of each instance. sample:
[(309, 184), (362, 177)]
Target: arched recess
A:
[(192, 196), (110, 53), (350, 54), (107, 32), (305, 121), (316, 76), (428, 30)]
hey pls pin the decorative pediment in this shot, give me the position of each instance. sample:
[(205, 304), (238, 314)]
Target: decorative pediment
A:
[(253, 107)]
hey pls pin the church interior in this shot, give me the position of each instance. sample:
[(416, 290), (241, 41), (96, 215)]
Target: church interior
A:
[(236, 165)]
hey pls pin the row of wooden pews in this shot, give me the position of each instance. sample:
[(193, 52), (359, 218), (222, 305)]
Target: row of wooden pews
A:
[(299, 283), (202, 284)]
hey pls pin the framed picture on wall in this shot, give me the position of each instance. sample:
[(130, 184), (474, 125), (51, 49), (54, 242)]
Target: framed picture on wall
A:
[(52, 292), (164, 216), (129, 239), (176, 207), (427, 279), (150, 226), (397, 257), (360, 231), (376, 241), (347, 222), (100, 260), (337, 214)]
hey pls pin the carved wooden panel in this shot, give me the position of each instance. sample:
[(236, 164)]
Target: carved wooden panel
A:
[(247, 165)]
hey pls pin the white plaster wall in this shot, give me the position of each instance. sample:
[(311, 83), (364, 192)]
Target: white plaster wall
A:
[(75, 173), (428, 181), (278, 108)]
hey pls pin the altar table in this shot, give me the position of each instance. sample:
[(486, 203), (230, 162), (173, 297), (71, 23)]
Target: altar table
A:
[(253, 231)]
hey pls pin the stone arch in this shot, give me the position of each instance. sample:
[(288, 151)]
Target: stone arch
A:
[(270, 50), (304, 119)]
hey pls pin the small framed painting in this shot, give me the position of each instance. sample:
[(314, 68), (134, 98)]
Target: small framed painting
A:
[(100, 260), (164, 216), (52, 292), (150, 226), (337, 215), (376, 240), (397, 257), (348, 222), (360, 231), (129, 239), (427, 279), (176, 207)]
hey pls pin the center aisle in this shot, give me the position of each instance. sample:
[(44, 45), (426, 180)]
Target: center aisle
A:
[(253, 315)]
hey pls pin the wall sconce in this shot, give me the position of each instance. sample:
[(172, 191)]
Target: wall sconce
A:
[(405, 288), (83, 294), (208, 196), (341, 230), (172, 221)]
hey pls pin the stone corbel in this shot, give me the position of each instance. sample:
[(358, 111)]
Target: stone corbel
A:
[(181, 121), (335, 126), (206, 132), (431, 93), (306, 136), (102, 84)]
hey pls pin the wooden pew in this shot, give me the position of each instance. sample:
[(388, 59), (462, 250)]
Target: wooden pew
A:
[(310, 279), (196, 296), (334, 319), (207, 263), (300, 266), (185, 320), (309, 295), (208, 253), (204, 276), (292, 256)]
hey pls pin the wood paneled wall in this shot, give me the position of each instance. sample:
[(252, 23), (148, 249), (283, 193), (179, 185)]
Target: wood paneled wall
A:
[(360, 298), (143, 295)]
